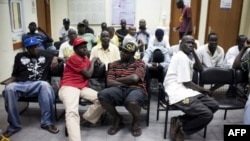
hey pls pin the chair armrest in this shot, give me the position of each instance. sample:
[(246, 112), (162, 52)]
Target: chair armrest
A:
[(7, 81)]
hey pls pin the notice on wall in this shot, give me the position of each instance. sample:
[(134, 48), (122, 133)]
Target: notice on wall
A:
[(92, 10), (123, 9), (226, 4)]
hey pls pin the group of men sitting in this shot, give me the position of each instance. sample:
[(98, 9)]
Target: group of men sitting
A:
[(125, 79)]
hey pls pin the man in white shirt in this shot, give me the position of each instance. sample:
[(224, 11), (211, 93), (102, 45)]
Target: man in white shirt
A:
[(234, 51), (190, 98), (63, 32), (143, 33), (211, 54), (157, 56), (66, 48)]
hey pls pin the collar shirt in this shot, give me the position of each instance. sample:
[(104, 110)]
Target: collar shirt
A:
[(109, 55), (209, 60)]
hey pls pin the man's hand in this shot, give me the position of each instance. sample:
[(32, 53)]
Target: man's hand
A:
[(54, 63), (208, 92)]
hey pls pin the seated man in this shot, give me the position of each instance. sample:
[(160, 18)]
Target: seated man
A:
[(74, 84), (190, 98), (122, 32), (211, 54), (30, 74), (66, 48), (105, 51), (89, 37), (157, 56), (44, 39), (242, 60), (126, 86)]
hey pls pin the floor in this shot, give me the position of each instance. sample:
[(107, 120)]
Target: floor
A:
[(31, 130)]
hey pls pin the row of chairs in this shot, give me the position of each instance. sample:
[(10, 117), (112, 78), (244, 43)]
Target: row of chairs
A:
[(211, 76)]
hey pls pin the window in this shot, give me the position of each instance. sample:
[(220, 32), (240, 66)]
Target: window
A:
[(16, 15)]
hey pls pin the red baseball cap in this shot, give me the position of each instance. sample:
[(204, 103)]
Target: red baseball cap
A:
[(79, 41)]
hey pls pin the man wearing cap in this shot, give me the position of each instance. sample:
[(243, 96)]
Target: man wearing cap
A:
[(29, 79), (88, 29), (63, 32), (44, 39), (126, 86), (157, 56), (89, 37), (74, 84)]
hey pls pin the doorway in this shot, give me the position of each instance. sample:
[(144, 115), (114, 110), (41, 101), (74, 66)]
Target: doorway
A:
[(175, 14), (224, 22), (43, 15)]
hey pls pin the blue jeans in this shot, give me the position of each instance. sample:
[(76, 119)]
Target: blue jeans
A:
[(246, 118), (40, 89)]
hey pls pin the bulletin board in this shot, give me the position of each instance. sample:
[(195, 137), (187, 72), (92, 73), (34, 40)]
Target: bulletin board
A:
[(92, 10), (123, 9)]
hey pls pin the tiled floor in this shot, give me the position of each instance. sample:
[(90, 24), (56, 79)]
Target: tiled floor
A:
[(31, 130)]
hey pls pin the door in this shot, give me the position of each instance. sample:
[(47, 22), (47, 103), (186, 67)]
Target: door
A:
[(224, 22), (174, 22), (43, 15)]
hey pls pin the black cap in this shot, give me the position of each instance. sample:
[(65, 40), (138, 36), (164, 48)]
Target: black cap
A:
[(66, 20)]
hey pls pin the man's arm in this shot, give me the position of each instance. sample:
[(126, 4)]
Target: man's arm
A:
[(124, 81), (193, 86), (237, 61), (197, 64), (88, 72)]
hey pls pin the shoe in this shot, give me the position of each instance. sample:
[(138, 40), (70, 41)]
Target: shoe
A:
[(163, 104), (9, 133), (85, 123), (50, 128), (179, 135), (173, 127)]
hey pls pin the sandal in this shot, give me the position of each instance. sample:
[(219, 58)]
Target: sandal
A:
[(136, 131), (9, 133), (3, 138), (113, 130), (50, 128)]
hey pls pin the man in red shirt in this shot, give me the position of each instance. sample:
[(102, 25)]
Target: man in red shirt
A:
[(74, 84), (185, 19)]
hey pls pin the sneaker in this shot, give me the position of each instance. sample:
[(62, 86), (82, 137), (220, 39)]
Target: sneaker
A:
[(179, 135), (173, 127)]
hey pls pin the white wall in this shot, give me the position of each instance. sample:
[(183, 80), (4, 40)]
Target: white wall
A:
[(7, 53), (150, 10), (145, 9)]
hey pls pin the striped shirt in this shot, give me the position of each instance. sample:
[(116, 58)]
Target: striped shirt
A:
[(118, 69)]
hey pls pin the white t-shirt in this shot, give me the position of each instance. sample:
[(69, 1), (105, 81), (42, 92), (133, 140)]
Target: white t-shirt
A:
[(180, 70), (207, 59), (65, 50), (231, 54), (64, 33)]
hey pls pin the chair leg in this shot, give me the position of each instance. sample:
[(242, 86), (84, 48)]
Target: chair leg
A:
[(148, 113), (166, 123), (158, 108), (66, 131), (205, 132), (225, 114), (58, 117)]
